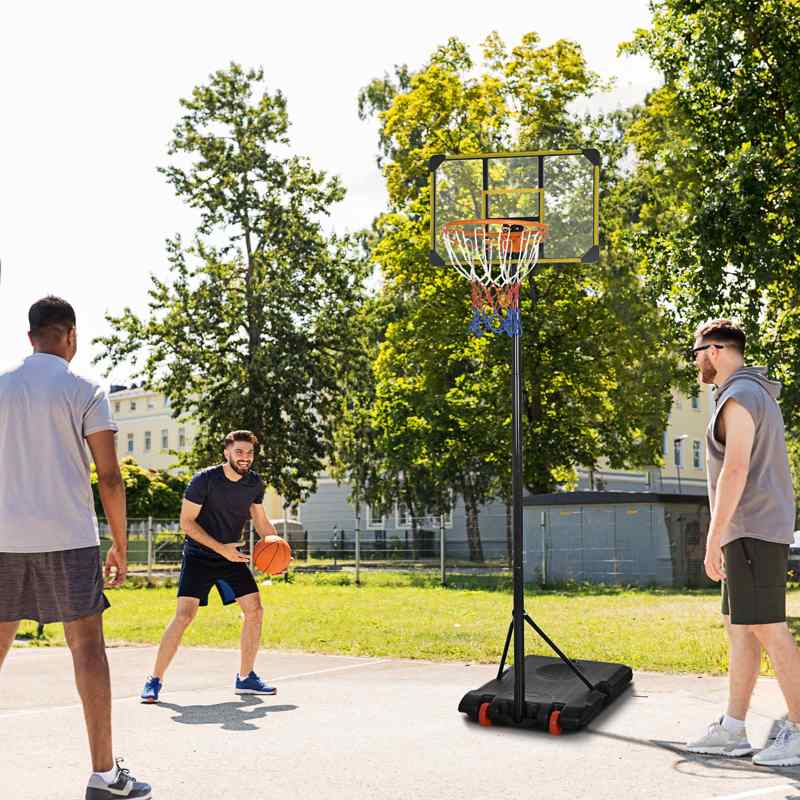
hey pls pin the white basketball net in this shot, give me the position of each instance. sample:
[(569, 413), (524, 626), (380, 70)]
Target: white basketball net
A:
[(493, 252)]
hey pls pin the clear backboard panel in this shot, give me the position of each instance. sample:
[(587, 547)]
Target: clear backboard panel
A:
[(558, 187)]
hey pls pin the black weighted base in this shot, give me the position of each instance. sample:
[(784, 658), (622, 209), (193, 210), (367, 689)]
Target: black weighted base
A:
[(556, 699)]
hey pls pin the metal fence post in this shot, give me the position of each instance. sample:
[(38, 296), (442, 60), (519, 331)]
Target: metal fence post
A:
[(544, 547), (442, 550), (358, 545), (149, 548)]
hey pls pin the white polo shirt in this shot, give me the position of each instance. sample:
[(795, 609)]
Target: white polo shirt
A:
[(46, 413)]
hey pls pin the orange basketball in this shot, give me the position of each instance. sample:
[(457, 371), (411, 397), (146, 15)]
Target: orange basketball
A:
[(272, 555)]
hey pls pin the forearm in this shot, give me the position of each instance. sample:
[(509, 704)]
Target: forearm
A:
[(112, 496), (730, 486), (264, 528), (194, 531)]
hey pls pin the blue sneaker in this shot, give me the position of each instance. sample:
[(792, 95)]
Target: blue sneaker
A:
[(151, 689), (252, 684)]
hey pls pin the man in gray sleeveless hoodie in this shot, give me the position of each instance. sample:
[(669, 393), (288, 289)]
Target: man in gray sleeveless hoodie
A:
[(751, 527)]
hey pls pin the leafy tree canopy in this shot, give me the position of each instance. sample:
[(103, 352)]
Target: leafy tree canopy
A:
[(596, 373), (252, 327), (718, 176)]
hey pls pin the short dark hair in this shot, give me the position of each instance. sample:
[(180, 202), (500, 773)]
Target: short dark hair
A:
[(51, 315), (723, 331), (241, 436)]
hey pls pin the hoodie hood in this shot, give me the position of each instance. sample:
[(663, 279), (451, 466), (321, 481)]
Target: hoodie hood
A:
[(757, 374)]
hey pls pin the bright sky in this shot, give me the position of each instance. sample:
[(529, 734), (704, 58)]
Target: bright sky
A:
[(89, 95)]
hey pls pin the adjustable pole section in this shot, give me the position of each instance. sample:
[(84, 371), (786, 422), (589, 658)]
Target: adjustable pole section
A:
[(518, 618)]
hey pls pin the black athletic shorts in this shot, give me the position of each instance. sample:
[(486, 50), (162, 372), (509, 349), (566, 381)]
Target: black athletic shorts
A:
[(755, 590), (199, 574)]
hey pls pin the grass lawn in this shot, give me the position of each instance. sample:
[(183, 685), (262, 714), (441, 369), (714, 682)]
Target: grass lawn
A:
[(410, 616)]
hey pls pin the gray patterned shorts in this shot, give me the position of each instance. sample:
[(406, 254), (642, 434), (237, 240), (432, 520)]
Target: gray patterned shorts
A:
[(51, 587)]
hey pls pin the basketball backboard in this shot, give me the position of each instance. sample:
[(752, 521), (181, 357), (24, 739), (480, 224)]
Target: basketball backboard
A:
[(560, 188)]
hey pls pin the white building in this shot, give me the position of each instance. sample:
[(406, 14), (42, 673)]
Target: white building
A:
[(154, 438), (148, 431)]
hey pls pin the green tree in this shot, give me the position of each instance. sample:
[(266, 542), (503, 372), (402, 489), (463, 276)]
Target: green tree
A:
[(252, 327), (719, 171), (149, 493), (596, 374), (357, 456)]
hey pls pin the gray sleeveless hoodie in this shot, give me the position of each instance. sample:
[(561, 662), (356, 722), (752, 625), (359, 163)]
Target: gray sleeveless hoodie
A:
[(766, 510)]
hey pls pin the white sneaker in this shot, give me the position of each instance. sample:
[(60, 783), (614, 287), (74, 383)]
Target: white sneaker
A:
[(784, 751), (719, 741)]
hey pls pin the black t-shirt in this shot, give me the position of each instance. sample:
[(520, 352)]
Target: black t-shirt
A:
[(225, 506)]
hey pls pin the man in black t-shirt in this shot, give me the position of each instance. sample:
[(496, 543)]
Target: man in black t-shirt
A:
[(216, 504)]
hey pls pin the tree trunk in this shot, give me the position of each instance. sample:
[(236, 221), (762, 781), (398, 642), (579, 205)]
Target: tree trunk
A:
[(473, 529)]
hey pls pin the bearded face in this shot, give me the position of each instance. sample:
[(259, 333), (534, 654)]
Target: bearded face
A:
[(240, 457)]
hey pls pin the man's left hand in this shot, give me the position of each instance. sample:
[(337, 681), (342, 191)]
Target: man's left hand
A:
[(116, 568)]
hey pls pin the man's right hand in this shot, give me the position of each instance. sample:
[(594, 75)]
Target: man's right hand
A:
[(232, 553), (714, 562)]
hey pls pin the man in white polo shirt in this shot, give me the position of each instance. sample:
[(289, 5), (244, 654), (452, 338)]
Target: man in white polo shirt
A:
[(50, 568)]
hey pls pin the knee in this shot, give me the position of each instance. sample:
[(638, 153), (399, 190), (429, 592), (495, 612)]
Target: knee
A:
[(255, 614), (87, 651), (184, 618)]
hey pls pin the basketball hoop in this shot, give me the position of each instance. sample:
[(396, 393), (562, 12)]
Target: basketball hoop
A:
[(513, 192), (495, 256)]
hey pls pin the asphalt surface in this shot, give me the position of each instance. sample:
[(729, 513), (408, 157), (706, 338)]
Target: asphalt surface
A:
[(349, 728)]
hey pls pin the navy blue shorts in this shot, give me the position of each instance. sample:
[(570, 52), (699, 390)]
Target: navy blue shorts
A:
[(200, 574)]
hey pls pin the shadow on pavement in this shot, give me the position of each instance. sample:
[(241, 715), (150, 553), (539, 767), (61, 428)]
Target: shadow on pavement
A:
[(234, 716), (705, 766)]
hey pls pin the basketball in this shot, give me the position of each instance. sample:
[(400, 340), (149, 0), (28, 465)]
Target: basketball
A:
[(271, 555)]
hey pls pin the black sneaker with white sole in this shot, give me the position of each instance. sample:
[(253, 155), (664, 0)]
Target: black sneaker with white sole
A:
[(124, 785)]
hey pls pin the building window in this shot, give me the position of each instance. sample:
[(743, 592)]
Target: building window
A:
[(374, 522), (181, 438), (430, 520), (678, 452), (133, 405), (165, 440), (448, 519), (130, 442), (665, 447), (696, 454), (695, 403), (151, 402), (147, 441), (401, 516), (293, 513), (116, 406)]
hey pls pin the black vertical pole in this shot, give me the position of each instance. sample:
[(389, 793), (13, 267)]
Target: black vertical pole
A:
[(518, 619)]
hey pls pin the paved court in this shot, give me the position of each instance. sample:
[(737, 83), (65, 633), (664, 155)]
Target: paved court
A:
[(350, 728)]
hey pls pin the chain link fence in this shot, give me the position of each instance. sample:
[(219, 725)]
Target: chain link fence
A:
[(155, 547), (646, 541)]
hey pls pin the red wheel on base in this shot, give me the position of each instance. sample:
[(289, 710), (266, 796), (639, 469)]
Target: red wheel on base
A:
[(553, 724), (483, 714)]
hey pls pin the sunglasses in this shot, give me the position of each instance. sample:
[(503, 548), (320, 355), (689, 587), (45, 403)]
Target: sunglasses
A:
[(692, 352)]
